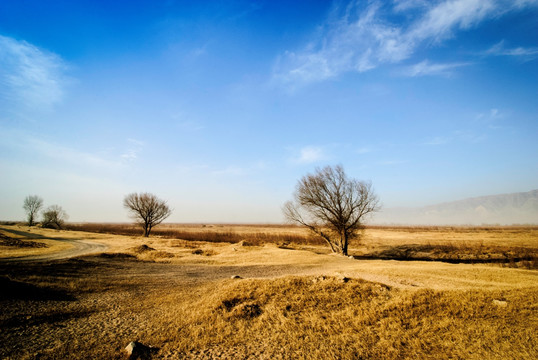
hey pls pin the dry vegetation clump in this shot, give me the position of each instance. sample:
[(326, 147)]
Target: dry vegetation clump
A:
[(117, 255), (304, 317), (18, 243), (142, 249), (158, 255), (92, 307), (478, 253), (514, 246), (205, 252), (145, 252)]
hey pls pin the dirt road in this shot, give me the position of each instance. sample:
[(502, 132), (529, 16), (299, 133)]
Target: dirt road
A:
[(81, 247), (78, 247)]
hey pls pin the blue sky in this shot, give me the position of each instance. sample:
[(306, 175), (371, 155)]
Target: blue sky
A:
[(219, 107)]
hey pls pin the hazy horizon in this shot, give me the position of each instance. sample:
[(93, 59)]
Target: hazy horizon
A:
[(220, 107)]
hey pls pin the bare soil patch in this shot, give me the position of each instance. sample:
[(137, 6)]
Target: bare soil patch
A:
[(289, 303), (18, 243)]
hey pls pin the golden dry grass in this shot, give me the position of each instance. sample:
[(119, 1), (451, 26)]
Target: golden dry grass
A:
[(291, 302)]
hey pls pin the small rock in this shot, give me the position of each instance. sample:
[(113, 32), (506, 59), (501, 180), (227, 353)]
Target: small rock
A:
[(344, 279), (136, 350), (236, 277)]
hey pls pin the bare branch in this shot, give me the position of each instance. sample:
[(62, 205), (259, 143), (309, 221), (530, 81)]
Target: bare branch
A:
[(32, 205), (54, 217), (147, 210), (331, 205)]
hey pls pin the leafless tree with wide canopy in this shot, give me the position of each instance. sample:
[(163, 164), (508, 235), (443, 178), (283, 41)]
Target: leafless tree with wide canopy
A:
[(32, 205), (147, 210), (332, 206), (54, 217)]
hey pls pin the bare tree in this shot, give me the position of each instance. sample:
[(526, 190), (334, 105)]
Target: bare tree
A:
[(32, 205), (54, 217), (332, 206), (147, 210)]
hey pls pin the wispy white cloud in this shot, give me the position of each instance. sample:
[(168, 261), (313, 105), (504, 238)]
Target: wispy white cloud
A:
[(354, 40), (135, 147), (524, 53), (129, 155), (360, 37), (310, 154), (57, 152), (29, 75), (425, 68), (494, 113), (442, 19), (405, 5), (492, 119), (54, 153)]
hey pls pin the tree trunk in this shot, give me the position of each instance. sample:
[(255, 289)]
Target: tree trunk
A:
[(341, 249), (342, 243)]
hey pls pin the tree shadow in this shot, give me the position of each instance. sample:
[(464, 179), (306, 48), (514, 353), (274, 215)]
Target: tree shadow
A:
[(31, 235)]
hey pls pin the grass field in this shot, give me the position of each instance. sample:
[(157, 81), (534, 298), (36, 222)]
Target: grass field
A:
[(293, 300)]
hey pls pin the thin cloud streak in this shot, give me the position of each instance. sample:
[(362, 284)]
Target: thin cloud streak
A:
[(359, 39), (527, 54), (426, 68), (30, 76), (56, 153)]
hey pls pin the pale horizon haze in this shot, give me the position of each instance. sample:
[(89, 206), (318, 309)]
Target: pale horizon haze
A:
[(220, 107)]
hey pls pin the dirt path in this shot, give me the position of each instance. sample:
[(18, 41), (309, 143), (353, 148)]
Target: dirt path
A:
[(79, 248)]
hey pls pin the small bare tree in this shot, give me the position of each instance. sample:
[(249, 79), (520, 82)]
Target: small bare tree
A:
[(147, 210), (32, 205), (54, 217), (332, 206)]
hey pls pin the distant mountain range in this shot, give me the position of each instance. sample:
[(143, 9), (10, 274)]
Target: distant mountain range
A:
[(505, 209)]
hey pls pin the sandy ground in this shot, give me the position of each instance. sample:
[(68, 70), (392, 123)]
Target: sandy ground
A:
[(57, 248), (267, 261), (111, 315)]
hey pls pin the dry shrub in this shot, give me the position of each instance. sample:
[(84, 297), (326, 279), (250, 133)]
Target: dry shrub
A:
[(470, 253), (18, 243), (203, 252), (163, 254), (299, 317), (146, 252), (142, 249), (157, 255)]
